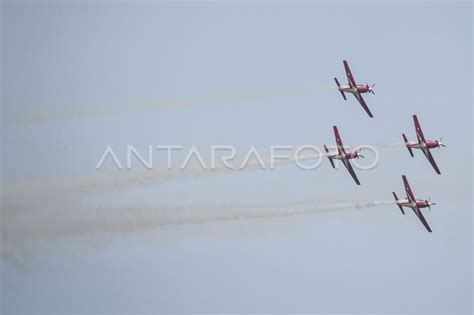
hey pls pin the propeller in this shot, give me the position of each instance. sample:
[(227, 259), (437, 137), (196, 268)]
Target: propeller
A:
[(440, 143), (360, 155), (430, 203), (371, 88)]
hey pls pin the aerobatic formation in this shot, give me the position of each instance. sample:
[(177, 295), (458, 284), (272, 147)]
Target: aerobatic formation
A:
[(421, 143)]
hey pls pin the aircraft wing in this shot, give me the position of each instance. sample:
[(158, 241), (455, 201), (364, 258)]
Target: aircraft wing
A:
[(419, 132), (430, 158), (340, 146), (422, 218), (410, 195), (350, 78), (361, 101), (348, 165)]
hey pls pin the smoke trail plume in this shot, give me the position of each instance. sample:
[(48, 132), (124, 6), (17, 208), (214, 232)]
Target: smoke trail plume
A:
[(36, 226), (82, 111), (124, 179)]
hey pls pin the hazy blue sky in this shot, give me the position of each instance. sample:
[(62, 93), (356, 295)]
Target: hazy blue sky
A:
[(80, 76)]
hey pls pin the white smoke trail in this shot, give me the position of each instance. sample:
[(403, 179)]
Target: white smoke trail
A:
[(127, 178), (25, 236), (25, 228), (122, 179), (82, 111)]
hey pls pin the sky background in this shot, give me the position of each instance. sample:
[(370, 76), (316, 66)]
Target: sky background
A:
[(77, 77)]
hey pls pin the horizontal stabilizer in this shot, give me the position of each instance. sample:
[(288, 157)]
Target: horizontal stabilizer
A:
[(330, 160), (396, 199), (406, 144), (339, 86)]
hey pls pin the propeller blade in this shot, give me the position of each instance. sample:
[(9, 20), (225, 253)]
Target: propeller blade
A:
[(440, 143), (372, 88), (430, 203)]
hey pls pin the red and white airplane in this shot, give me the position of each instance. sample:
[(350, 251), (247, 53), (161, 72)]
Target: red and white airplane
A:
[(423, 144), (414, 204), (343, 156), (355, 89)]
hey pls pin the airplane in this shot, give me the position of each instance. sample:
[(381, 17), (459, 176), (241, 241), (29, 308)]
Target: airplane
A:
[(355, 89), (343, 156), (414, 204), (423, 145)]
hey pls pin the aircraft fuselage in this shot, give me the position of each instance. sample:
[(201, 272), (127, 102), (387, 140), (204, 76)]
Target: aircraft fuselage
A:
[(357, 89), (429, 144), (348, 156), (418, 203)]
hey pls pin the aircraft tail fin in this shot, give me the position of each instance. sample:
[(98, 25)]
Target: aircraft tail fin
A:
[(406, 144), (396, 199), (329, 158), (339, 86)]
